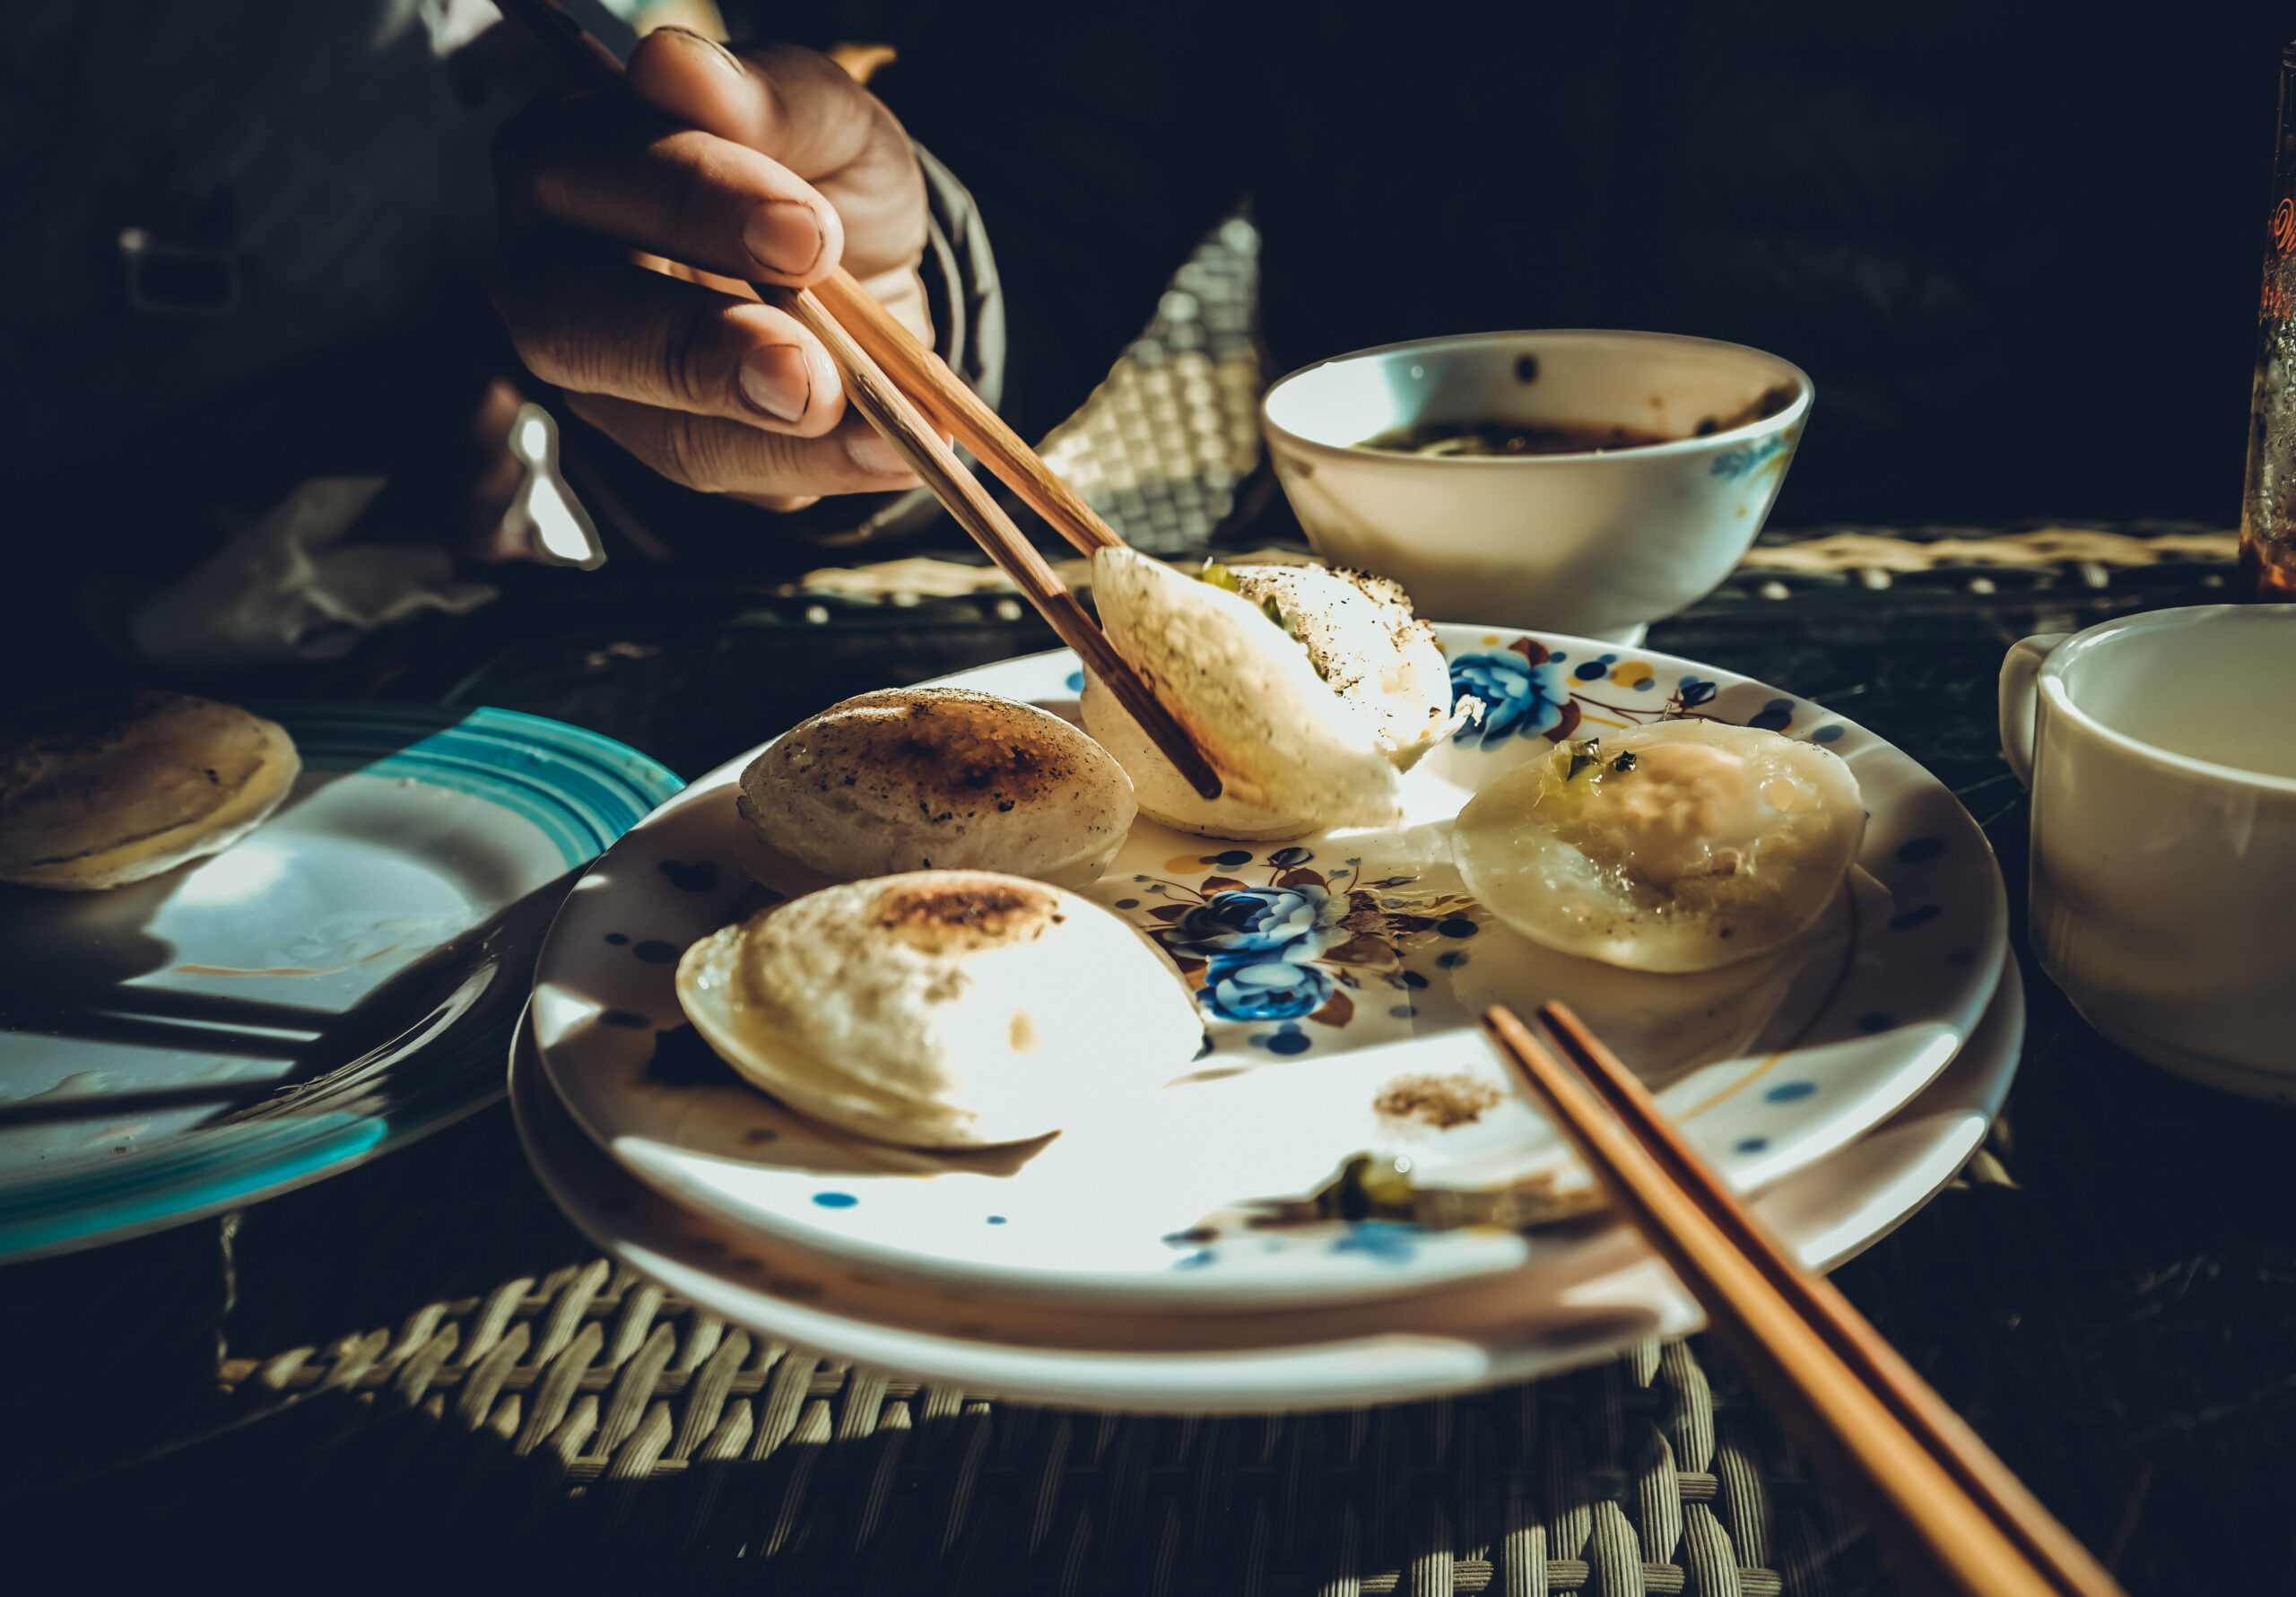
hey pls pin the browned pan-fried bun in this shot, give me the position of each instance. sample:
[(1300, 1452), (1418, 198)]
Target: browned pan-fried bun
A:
[(114, 797), (941, 1009), (940, 779)]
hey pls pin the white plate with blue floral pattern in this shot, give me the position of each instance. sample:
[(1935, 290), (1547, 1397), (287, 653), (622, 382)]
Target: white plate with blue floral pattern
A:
[(1339, 976), (1518, 1327)]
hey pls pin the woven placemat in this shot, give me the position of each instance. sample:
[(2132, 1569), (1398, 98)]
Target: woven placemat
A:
[(591, 1403)]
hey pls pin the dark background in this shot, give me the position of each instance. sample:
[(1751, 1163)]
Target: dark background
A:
[(2016, 246)]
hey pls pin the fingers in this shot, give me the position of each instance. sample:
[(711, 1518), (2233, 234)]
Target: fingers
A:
[(772, 167), (602, 165), (807, 113), (597, 325), (712, 454)]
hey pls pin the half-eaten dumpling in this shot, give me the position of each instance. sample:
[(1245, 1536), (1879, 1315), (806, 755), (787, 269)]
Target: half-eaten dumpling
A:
[(1309, 689), (1681, 846)]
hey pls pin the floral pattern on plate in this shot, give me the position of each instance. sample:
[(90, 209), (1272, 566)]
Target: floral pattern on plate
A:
[(1528, 691), (1305, 947)]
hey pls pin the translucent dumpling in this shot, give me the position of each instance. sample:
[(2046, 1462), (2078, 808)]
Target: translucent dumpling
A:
[(1681, 846)]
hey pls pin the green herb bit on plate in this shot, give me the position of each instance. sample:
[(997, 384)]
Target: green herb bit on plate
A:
[(1378, 1187)]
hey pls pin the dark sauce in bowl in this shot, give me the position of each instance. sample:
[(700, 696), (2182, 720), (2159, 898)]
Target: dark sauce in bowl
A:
[(1561, 438), (1513, 437)]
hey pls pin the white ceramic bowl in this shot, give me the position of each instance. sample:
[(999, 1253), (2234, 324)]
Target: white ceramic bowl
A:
[(1599, 544)]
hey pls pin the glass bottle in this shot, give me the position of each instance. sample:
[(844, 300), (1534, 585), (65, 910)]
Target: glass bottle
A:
[(2268, 502)]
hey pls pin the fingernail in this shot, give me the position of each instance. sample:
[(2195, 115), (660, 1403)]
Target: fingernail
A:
[(784, 237), (777, 380), (871, 453), (723, 57)]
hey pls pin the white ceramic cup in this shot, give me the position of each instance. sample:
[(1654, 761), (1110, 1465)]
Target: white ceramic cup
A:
[(2160, 750), (1598, 544)]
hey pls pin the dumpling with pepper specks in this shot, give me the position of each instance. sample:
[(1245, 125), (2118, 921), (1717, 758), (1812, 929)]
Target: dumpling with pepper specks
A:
[(940, 779)]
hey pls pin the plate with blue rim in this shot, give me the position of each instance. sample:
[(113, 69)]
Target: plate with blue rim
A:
[(338, 983), (1338, 976)]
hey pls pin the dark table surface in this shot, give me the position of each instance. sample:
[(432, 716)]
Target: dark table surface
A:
[(2118, 1319)]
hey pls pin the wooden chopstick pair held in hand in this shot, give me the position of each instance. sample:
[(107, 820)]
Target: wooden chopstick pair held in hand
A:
[(1949, 1515), (901, 386)]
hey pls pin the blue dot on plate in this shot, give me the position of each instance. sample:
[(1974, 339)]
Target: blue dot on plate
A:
[(995, 1219), (1457, 926), (1288, 1042), (1128, 902), (1913, 917), (1876, 1022), (654, 952), (1829, 734), (1557, 658), (617, 938), (1774, 716), (1914, 852), (1076, 682), (1402, 1011), (1453, 958), (835, 1200), (1411, 978), (1231, 858), (1587, 671), (1786, 1092), (1645, 684), (1751, 1144), (1610, 659)]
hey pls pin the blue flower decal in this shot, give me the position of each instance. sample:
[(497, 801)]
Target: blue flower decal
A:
[(1257, 919), (1258, 987), (1523, 694)]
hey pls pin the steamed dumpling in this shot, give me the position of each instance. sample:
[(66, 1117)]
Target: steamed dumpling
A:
[(1681, 846), (923, 778), (1308, 689), (941, 1009)]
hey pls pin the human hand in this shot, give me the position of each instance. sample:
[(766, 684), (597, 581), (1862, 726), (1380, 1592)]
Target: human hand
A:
[(632, 223)]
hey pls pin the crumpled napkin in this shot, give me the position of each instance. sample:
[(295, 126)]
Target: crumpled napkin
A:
[(286, 588)]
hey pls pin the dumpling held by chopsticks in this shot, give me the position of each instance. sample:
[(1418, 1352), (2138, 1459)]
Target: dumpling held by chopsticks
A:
[(1310, 689)]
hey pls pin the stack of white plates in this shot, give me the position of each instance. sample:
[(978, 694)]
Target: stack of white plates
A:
[(1117, 1266)]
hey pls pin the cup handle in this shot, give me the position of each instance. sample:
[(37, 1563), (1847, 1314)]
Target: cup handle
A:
[(2018, 674)]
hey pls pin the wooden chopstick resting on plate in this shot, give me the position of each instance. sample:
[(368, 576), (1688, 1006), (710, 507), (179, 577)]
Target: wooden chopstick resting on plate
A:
[(1952, 1515), (896, 415), (1858, 1345)]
